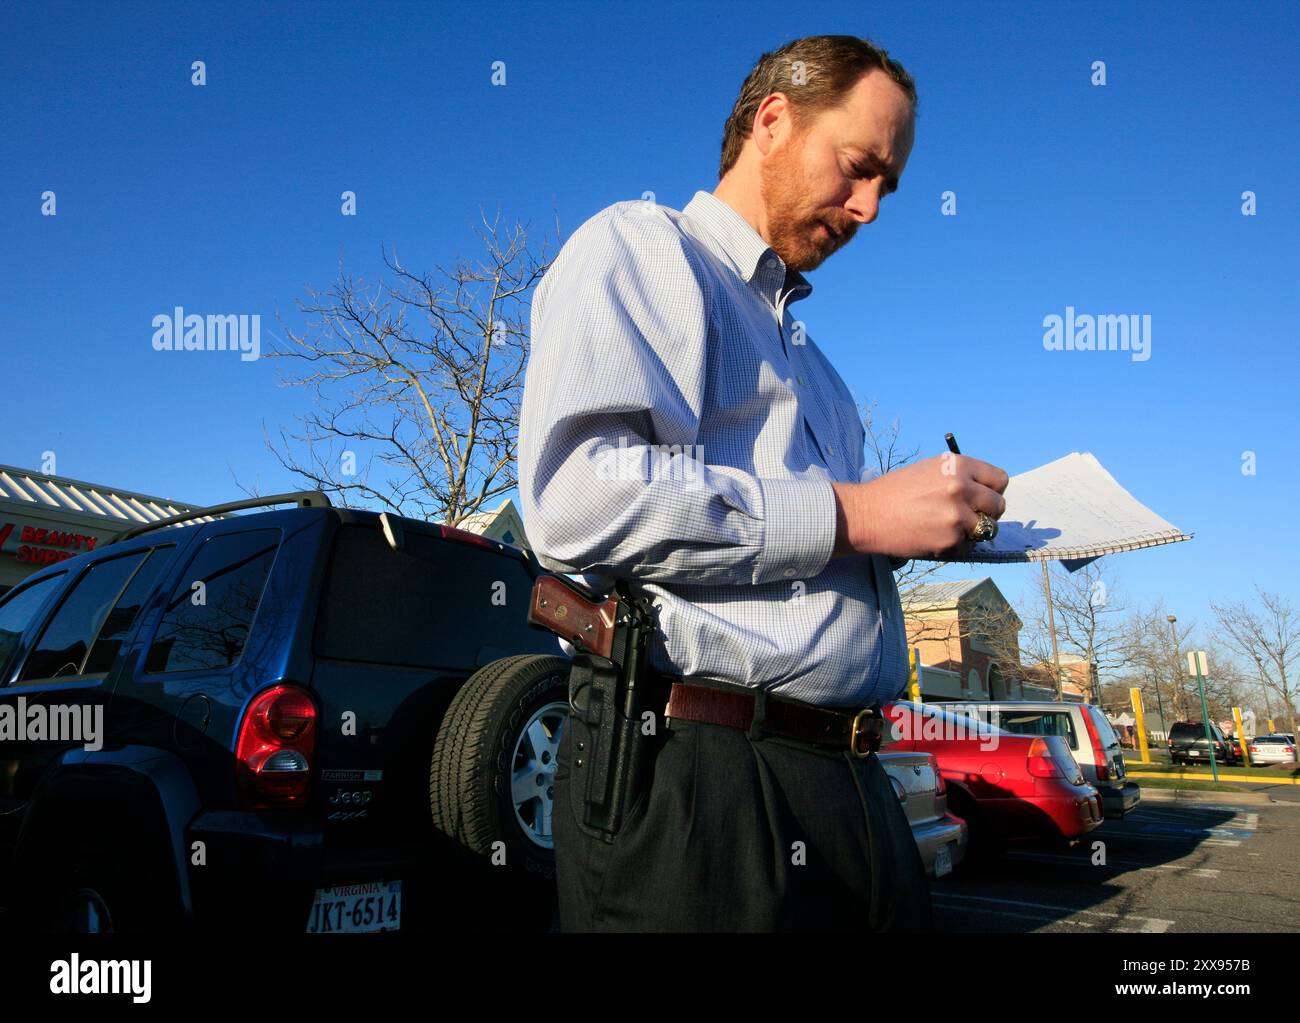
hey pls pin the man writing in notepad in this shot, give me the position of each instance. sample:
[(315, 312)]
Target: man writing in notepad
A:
[(665, 338)]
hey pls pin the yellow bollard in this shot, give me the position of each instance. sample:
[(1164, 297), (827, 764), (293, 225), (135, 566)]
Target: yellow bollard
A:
[(914, 675), (1241, 737), (1135, 694)]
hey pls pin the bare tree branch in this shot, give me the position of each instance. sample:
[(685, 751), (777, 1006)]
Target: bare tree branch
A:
[(415, 380)]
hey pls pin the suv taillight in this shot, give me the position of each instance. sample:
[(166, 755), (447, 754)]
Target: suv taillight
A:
[(1098, 750), (274, 747), (1042, 761), (940, 786)]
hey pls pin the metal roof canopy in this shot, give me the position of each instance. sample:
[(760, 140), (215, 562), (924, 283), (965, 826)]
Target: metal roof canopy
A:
[(94, 504)]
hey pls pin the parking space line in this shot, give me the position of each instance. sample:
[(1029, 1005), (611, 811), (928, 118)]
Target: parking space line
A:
[(1183, 808), (1245, 821), (1041, 917), (1134, 836), (1134, 864), (1192, 829), (1147, 925), (1166, 813)]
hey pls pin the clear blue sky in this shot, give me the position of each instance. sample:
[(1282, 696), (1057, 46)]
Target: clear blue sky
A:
[(1123, 198)]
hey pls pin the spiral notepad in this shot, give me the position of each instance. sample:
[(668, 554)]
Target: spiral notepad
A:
[(1071, 510)]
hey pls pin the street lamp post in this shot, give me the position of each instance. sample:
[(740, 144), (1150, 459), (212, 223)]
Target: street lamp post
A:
[(1178, 688), (1051, 625)]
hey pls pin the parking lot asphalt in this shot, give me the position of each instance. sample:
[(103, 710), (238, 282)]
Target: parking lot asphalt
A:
[(1172, 865)]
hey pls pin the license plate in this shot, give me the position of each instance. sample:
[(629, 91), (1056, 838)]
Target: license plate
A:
[(1194, 752), (943, 860), (356, 908)]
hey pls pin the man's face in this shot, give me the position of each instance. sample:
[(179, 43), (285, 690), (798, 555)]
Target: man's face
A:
[(821, 182)]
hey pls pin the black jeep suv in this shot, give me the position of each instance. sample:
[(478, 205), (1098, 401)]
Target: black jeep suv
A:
[(308, 719), (1188, 745)]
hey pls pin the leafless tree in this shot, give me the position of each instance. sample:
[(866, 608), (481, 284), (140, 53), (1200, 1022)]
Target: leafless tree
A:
[(1268, 639), (884, 447), (995, 628), (884, 452), (417, 381), (1226, 686), (1089, 620), (1151, 663)]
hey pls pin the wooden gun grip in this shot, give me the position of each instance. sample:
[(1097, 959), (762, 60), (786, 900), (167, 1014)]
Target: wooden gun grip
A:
[(587, 625)]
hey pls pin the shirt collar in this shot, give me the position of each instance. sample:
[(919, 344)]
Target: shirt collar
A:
[(754, 260)]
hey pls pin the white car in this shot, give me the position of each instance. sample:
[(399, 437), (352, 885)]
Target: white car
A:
[(940, 837), (1273, 749)]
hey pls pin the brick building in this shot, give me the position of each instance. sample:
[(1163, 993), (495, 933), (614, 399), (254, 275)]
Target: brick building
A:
[(968, 636)]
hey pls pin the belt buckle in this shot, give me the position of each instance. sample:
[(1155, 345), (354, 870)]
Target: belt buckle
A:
[(857, 729)]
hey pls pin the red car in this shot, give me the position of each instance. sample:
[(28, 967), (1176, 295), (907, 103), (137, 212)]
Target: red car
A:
[(1009, 788)]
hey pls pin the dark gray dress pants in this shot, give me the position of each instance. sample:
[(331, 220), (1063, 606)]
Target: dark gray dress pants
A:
[(742, 831)]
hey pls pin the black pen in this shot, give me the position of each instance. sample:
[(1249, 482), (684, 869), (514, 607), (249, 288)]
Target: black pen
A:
[(952, 443)]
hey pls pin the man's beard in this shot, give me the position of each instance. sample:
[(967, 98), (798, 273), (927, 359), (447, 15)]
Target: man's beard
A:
[(792, 229)]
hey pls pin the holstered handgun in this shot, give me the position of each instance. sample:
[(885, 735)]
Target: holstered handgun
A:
[(610, 687)]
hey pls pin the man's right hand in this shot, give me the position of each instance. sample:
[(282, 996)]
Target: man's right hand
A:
[(918, 511)]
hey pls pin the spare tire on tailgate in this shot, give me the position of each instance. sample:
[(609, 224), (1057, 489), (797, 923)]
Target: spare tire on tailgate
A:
[(494, 759)]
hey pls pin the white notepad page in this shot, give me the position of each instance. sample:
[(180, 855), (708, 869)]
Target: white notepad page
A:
[(1071, 509)]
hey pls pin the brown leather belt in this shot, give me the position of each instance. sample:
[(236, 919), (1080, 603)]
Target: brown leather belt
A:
[(733, 706)]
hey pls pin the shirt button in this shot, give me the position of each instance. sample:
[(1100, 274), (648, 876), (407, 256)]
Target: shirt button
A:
[(788, 572), (801, 381), (830, 450)]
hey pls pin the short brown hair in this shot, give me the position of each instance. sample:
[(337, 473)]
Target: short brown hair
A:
[(830, 66)]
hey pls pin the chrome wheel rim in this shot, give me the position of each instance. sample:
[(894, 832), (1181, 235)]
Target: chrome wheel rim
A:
[(532, 779)]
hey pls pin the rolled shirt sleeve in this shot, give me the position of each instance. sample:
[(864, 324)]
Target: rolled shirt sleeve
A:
[(611, 479)]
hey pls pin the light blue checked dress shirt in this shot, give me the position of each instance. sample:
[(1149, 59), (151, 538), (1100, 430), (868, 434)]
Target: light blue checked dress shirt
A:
[(680, 429)]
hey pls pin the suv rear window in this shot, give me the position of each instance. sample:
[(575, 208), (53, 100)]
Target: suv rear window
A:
[(1040, 722), (206, 626), (1190, 731), (435, 604), (1104, 731)]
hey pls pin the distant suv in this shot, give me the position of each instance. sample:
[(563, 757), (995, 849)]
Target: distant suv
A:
[(1093, 743), (310, 718), (1188, 745)]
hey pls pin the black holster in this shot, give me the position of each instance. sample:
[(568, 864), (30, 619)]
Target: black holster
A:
[(616, 707)]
